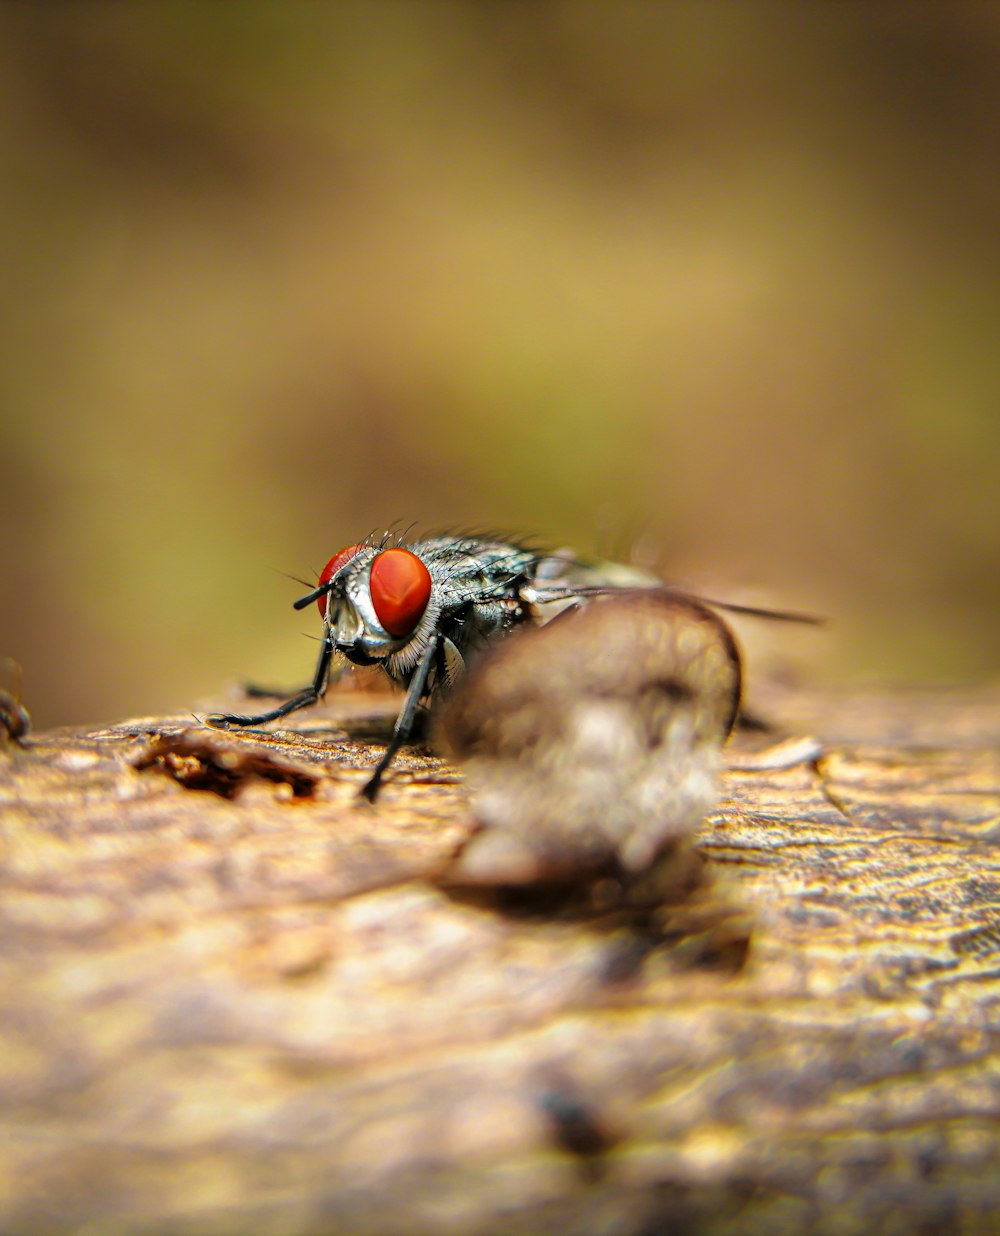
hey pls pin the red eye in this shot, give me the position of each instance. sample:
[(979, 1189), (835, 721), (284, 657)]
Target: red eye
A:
[(401, 588), (331, 569)]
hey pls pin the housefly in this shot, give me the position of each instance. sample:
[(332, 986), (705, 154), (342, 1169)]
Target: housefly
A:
[(421, 610)]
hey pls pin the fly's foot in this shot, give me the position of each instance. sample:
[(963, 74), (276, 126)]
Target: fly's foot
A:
[(369, 790)]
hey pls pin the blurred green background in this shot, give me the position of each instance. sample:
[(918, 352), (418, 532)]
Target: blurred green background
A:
[(714, 286)]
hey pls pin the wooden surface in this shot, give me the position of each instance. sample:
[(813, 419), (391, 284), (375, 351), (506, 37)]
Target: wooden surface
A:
[(235, 999)]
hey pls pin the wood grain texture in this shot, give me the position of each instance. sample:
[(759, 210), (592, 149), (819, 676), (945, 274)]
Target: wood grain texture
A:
[(235, 999)]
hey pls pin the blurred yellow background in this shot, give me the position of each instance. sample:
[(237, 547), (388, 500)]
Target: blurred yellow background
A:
[(716, 286)]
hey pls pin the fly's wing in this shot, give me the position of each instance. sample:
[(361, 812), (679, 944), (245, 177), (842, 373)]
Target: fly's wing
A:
[(563, 568), (562, 581)]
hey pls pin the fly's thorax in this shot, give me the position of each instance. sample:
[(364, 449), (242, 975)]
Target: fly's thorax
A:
[(473, 568), (481, 583)]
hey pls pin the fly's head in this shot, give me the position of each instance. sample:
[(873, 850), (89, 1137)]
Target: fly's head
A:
[(379, 605)]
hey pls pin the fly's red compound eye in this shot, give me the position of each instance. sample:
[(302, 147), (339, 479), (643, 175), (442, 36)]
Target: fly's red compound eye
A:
[(331, 569), (400, 588)]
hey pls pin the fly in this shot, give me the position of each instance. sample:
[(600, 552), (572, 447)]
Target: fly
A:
[(421, 611)]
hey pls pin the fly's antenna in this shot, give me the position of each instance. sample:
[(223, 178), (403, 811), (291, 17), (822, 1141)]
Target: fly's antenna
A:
[(315, 595)]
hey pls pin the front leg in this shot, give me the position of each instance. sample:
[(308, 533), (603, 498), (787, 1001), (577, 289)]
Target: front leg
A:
[(404, 722), (305, 697)]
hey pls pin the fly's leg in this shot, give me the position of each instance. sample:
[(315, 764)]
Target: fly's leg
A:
[(261, 691), (305, 697), (404, 722)]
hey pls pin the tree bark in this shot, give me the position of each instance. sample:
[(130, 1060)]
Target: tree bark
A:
[(236, 999)]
